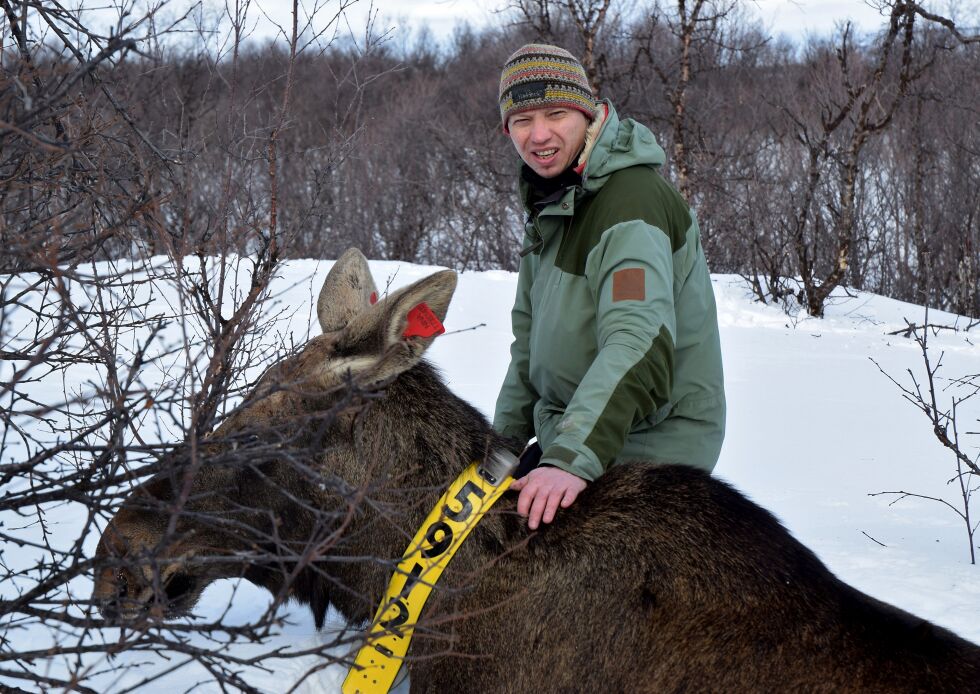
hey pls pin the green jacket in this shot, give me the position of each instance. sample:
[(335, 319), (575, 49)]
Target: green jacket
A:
[(616, 353)]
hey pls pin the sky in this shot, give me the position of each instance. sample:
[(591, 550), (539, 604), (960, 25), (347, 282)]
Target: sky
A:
[(792, 18)]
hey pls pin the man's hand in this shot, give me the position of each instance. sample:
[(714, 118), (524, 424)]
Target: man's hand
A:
[(543, 490)]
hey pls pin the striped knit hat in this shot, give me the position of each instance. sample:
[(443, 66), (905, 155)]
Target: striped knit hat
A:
[(539, 75)]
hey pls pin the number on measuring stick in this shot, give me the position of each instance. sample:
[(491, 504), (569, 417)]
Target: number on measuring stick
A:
[(463, 497), (397, 620), (437, 544)]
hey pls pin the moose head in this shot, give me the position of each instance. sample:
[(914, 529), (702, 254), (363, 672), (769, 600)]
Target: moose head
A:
[(282, 476)]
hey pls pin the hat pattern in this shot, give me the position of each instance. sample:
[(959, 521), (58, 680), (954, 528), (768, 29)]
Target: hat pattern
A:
[(538, 75)]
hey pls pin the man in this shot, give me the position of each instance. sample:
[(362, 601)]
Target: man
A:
[(616, 353)]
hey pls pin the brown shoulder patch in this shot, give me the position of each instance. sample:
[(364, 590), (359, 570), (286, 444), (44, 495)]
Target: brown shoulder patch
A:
[(629, 284)]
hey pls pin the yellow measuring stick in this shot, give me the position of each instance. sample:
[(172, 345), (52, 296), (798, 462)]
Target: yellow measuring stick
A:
[(468, 498)]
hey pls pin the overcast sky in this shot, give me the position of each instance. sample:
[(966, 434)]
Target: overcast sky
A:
[(792, 17), (795, 18)]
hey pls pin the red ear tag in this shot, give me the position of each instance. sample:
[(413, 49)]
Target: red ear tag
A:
[(422, 322), (374, 298)]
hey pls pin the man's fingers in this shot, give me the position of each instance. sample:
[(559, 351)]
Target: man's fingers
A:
[(537, 508), (551, 507), (571, 494), (525, 499), (543, 492)]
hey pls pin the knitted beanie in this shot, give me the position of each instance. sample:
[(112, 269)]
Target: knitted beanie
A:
[(538, 75)]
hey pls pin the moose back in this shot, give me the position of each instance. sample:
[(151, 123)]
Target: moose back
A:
[(656, 579)]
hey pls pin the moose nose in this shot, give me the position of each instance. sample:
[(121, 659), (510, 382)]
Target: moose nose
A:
[(111, 591), (109, 609)]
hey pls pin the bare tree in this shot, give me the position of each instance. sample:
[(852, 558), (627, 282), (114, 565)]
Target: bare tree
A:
[(971, 36), (696, 30), (574, 24), (946, 421), (589, 17), (113, 359), (539, 15), (856, 102)]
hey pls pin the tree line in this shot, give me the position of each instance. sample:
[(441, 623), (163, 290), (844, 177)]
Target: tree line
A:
[(845, 160)]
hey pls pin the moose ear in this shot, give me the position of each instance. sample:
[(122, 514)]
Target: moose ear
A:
[(393, 335), (414, 314), (347, 291)]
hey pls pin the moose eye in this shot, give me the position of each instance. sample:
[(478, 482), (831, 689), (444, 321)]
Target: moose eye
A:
[(122, 584)]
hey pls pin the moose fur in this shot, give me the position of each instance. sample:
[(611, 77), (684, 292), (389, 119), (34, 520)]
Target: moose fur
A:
[(657, 579)]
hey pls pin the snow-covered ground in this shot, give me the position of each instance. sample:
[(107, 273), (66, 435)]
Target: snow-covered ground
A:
[(813, 429)]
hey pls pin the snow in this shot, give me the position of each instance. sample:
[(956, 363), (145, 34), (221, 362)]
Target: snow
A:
[(813, 428)]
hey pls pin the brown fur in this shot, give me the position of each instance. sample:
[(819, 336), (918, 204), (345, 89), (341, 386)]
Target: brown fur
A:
[(656, 579)]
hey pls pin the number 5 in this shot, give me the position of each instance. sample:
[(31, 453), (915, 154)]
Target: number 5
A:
[(462, 496)]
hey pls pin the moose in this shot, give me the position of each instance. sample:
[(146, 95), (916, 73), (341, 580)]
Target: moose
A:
[(659, 578)]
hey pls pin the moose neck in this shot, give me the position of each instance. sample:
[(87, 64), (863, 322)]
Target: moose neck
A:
[(413, 442)]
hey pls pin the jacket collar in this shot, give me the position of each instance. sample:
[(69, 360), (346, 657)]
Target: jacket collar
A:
[(592, 136), (542, 192), (617, 144)]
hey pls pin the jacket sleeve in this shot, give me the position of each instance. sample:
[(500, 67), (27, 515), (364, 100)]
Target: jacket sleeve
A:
[(515, 403), (630, 275)]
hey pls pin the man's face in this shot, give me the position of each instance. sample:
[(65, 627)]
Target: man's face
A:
[(548, 139)]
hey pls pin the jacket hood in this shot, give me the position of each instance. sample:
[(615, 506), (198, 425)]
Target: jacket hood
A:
[(617, 144)]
